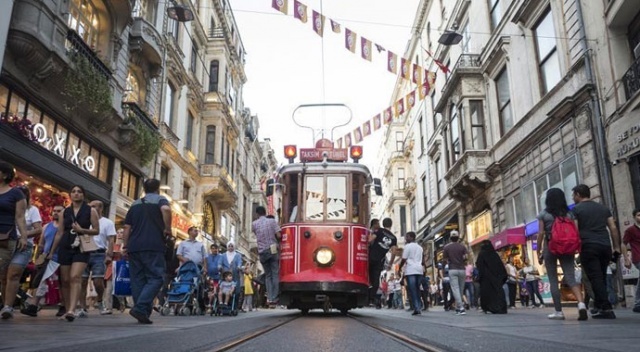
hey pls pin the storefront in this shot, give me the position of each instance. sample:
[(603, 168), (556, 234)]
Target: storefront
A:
[(479, 228), (510, 243)]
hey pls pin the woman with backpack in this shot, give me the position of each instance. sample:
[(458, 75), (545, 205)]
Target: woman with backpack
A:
[(557, 210)]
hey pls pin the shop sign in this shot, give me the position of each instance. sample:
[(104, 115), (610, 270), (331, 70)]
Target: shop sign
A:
[(56, 144), (627, 142), (479, 226), (179, 223)]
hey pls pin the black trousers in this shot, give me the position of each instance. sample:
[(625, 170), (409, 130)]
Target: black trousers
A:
[(375, 268), (512, 293), (594, 259)]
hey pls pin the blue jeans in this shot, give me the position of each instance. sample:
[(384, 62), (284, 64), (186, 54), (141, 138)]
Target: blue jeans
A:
[(413, 282), (147, 270), (468, 287), (271, 264)]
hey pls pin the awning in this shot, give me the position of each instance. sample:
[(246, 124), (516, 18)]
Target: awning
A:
[(514, 235), (479, 240), (439, 228), (531, 228)]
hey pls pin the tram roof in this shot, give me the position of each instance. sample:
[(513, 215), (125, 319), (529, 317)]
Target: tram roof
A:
[(316, 167)]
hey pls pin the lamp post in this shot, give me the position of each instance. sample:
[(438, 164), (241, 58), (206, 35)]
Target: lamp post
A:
[(179, 13)]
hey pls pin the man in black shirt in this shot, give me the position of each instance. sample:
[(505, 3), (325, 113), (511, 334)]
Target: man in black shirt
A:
[(381, 240)]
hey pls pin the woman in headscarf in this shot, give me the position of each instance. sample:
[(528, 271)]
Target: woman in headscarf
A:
[(492, 275), (232, 261)]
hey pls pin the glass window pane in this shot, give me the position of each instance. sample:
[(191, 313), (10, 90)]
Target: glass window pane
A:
[(503, 88), (569, 177), (18, 105), (517, 202), (336, 198), (545, 36), (541, 189), (314, 198), (555, 181), (33, 114), (508, 213), (4, 97), (507, 118), (550, 71), (529, 203), (103, 172)]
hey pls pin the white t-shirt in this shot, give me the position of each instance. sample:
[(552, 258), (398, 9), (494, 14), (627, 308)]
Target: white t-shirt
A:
[(413, 254), (107, 229), (193, 251), (31, 216)]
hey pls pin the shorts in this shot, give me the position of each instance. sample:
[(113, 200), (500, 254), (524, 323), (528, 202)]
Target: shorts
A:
[(6, 253), (96, 265), (22, 257), (68, 256)]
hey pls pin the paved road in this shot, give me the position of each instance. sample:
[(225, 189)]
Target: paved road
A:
[(520, 330)]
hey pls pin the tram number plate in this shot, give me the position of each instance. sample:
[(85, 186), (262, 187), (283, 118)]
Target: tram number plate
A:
[(316, 154)]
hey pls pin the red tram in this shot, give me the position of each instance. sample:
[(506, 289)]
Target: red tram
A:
[(324, 214)]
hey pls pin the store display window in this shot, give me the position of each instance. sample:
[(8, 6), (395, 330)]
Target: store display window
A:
[(43, 194)]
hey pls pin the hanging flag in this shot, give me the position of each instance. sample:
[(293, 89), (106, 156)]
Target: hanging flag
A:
[(347, 140), (335, 26), (350, 40), (380, 48), (411, 99), (339, 143), (417, 74), (442, 66), (366, 128), (392, 62), (376, 122), (399, 107), (430, 77), (388, 116), (281, 5), (357, 134), (423, 91), (365, 48), (318, 22), (300, 11), (405, 70)]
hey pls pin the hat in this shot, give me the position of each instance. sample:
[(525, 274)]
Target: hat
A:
[(454, 233), (231, 243)]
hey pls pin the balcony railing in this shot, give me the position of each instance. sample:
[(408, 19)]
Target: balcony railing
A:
[(140, 114), (631, 79), (167, 133), (467, 61), (77, 44), (216, 33)]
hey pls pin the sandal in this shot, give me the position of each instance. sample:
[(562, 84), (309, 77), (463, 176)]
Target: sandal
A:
[(70, 317)]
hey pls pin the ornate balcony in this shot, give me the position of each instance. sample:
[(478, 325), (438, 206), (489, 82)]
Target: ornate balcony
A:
[(219, 187), (409, 186), (466, 80), (168, 134), (77, 44), (468, 177), (145, 40), (631, 79)]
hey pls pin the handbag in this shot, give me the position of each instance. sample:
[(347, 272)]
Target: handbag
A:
[(87, 244), (121, 278)]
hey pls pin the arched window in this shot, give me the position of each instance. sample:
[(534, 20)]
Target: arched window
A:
[(83, 18), (132, 91)]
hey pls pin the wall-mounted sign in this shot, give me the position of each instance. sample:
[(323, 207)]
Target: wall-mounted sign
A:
[(57, 144), (627, 141)]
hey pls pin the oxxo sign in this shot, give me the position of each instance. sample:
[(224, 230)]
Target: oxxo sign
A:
[(56, 144)]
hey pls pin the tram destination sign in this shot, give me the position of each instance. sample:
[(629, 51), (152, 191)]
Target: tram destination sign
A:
[(317, 154)]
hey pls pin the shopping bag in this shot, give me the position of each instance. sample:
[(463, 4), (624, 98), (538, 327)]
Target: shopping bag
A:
[(121, 278)]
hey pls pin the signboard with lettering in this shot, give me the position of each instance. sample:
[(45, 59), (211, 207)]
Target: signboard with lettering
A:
[(318, 154), (628, 141)]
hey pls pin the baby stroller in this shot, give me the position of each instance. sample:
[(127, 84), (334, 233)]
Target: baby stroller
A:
[(183, 296), (231, 309)]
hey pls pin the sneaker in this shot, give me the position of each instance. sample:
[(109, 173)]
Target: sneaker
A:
[(61, 311), (636, 309), (582, 312), (462, 312), (30, 310), (6, 312), (82, 313), (604, 314), (556, 316), (106, 312)]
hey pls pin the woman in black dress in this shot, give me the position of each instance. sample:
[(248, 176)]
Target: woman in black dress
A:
[(492, 275), (79, 219)]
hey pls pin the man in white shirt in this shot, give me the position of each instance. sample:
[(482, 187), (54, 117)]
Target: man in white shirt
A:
[(192, 250), (412, 256), (98, 261)]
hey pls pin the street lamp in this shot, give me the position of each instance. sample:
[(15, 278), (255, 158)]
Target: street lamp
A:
[(450, 38), (180, 13)]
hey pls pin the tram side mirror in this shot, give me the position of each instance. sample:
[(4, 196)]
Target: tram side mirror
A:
[(377, 186), (271, 184)]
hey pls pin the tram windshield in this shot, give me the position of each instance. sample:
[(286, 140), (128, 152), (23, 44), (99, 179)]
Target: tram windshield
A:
[(326, 200)]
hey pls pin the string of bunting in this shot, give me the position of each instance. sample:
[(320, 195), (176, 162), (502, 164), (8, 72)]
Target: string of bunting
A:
[(412, 72)]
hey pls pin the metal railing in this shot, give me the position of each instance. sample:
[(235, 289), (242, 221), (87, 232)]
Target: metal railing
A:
[(140, 114), (77, 44), (631, 79), (467, 61)]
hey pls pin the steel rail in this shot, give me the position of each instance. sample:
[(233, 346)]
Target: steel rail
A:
[(399, 337), (246, 338)]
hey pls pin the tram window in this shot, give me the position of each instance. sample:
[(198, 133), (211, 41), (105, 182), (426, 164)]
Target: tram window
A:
[(314, 198), (292, 196), (355, 199), (336, 198)]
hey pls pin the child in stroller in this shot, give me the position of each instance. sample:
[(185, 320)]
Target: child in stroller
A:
[(227, 296), (186, 292)]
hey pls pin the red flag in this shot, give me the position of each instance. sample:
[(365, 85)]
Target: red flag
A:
[(281, 5), (417, 74), (388, 116), (318, 23), (365, 48), (399, 107), (335, 26), (350, 40), (366, 128), (411, 99), (376, 122), (442, 66), (339, 143), (347, 140), (423, 91), (300, 11), (357, 134), (392, 62), (405, 68)]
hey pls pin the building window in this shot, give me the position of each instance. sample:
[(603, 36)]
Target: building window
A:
[(456, 147), (440, 178), (189, 139), (213, 75), (174, 29), (186, 191), (399, 141), (425, 191), (210, 147), (466, 39), (547, 52), (164, 175), (132, 90), (504, 101), (222, 145), (401, 178), (194, 57), (477, 125), (83, 18), (128, 183), (403, 220), (422, 132), (437, 117), (495, 14), (169, 111)]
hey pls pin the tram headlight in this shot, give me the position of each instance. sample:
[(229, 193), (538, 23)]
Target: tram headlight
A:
[(324, 256)]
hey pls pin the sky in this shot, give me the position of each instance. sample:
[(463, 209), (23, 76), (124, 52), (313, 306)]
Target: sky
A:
[(288, 64)]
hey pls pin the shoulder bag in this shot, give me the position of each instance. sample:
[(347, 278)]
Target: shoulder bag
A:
[(87, 244)]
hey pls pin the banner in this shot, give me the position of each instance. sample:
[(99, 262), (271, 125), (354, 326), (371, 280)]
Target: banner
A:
[(411, 99), (417, 74), (399, 107), (392, 62), (350, 40), (318, 23), (300, 11), (365, 48), (335, 26), (377, 123), (347, 140), (281, 5), (405, 70), (366, 128), (357, 134), (388, 116)]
